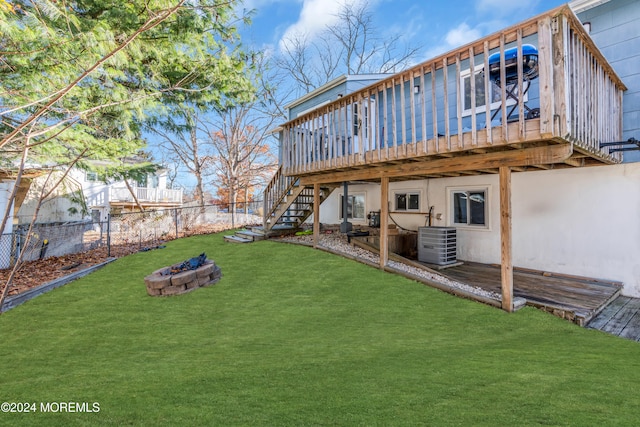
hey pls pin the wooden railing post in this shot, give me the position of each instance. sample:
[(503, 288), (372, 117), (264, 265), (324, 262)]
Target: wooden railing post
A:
[(545, 69), (561, 86)]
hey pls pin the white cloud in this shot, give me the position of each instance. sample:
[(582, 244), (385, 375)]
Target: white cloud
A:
[(456, 37), (314, 17), (461, 35)]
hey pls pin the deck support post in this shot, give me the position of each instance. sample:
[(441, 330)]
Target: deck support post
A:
[(384, 222), (316, 215), (506, 247), (345, 226)]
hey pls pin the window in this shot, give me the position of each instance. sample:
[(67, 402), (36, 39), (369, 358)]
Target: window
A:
[(155, 181), (469, 207), (355, 206), (407, 201), (361, 121), (142, 181), (91, 176), (494, 89)]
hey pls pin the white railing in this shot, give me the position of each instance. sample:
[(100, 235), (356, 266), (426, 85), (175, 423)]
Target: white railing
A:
[(146, 195)]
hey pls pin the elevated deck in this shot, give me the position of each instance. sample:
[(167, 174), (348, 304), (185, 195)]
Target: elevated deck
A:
[(435, 120)]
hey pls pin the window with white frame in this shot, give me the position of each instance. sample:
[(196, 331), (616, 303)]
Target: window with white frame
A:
[(355, 206), (360, 121), (406, 201), (494, 89), (469, 207)]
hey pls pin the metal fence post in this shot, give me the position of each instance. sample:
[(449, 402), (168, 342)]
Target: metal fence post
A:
[(175, 220), (109, 235), (232, 208)]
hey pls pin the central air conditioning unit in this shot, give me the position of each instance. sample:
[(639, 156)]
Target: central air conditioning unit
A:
[(437, 245)]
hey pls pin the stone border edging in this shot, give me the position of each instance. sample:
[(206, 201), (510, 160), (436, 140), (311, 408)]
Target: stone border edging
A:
[(518, 302), (16, 300)]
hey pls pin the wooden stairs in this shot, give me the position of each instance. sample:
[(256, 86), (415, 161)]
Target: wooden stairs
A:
[(247, 236), (288, 204)]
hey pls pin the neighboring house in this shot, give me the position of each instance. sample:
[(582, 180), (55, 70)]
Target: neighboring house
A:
[(83, 196), (7, 185), (416, 148), (115, 197), (68, 213)]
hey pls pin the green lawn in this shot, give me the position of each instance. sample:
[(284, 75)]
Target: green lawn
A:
[(296, 336)]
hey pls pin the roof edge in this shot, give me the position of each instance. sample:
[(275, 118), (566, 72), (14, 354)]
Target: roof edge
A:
[(579, 6), (333, 83)]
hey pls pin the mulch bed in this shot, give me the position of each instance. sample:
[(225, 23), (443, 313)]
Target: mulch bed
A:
[(38, 272)]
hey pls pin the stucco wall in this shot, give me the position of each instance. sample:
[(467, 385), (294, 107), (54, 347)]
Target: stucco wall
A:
[(573, 221)]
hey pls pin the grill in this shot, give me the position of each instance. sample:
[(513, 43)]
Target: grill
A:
[(529, 64), (529, 60)]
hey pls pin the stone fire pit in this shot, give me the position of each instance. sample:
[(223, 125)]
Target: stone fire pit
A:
[(184, 277)]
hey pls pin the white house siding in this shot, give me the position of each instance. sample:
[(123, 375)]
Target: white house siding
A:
[(581, 221), (6, 187)]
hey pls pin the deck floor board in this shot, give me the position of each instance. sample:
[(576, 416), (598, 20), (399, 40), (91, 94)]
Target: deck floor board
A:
[(584, 296), (608, 313), (621, 318)]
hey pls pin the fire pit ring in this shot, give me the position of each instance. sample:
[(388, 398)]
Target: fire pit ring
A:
[(184, 277)]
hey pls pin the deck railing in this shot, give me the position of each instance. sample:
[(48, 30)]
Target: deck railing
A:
[(451, 104), (275, 191), (595, 93), (147, 195)]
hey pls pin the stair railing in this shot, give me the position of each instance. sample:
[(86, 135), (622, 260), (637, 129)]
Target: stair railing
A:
[(274, 193)]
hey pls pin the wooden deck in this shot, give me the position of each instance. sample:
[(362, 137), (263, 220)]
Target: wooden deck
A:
[(578, 299), (420, 114), (621, 318)]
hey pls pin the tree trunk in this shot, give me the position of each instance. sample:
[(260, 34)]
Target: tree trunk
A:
[(232, 202), (197, 167), (133, 194), (200, 191)]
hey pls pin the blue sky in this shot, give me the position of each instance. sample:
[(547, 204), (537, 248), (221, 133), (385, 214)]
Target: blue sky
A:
[(435, 26)]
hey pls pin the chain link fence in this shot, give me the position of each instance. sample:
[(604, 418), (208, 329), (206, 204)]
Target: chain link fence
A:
[(130, 231)]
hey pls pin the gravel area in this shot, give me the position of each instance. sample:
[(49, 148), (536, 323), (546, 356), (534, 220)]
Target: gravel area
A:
[(338, 243)]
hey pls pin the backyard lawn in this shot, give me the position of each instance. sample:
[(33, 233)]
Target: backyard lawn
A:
[(296, 336)]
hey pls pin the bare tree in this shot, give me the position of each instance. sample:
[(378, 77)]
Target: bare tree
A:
[(244, 158), (182, 139), (353, 45), (364, 50), (228, 148)]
